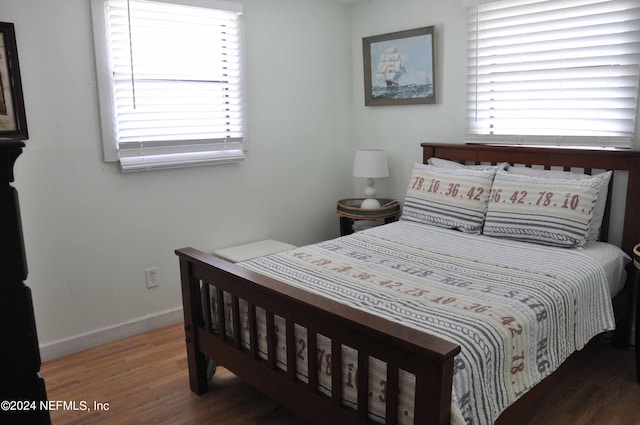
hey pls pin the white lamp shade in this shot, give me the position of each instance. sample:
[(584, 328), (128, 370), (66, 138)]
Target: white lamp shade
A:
[(371, 163)]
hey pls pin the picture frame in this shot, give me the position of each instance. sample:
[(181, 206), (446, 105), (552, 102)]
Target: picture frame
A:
[(13, 120), (399, 67)]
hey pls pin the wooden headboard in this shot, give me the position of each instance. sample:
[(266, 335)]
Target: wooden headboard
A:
[(586, 159)]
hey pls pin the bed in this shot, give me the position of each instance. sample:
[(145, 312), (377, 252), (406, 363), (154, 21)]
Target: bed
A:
[(392, 355)]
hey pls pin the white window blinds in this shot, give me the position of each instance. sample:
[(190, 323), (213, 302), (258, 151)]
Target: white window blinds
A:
[(553, 71), (170, 82)]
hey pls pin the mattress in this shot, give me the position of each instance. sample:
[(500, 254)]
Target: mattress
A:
[(517, 310), (613, 261)]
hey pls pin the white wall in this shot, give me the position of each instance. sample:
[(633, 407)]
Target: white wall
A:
[(90, 231), (401, 129)]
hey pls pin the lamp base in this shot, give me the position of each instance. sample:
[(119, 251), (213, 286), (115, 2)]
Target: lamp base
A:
[(369, 204)]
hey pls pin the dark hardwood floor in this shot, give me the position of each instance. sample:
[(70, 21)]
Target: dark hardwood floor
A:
[(143, 380)]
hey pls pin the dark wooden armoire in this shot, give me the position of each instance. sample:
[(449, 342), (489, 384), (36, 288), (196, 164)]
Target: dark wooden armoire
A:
[(20, 378), (23, 397)]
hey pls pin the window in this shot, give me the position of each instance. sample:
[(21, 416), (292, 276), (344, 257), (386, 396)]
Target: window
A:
[(553, 71), (169, 82)]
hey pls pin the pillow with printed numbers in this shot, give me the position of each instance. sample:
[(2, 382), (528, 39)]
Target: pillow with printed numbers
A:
[(601, 202), (450, 198), (547, 211)]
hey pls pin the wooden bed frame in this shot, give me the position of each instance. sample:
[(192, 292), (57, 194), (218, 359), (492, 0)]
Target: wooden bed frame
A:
[(430, 358)]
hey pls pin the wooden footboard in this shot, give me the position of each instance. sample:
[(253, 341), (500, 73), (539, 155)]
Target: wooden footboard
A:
[(429, 358)]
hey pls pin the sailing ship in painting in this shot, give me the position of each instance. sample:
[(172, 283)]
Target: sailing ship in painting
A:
[(391, 72), (391, 67)]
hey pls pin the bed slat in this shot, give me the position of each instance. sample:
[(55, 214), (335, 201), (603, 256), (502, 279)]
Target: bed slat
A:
[(336, 371), (391, 395), (271, 340), (291, 350), (253, 331), (363, 385), (604, 228), (235, 320), (312, 360), (222, 325)]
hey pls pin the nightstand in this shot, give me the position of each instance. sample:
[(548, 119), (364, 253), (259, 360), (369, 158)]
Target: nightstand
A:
[(354, 218)]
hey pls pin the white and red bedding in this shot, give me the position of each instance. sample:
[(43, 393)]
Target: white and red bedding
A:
[(518, 310)]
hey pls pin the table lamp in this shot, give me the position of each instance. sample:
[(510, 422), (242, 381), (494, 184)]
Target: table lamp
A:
[(370, 164)]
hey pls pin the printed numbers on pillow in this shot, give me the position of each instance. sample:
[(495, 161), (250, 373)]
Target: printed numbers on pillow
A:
[(540, 199), (452, 189), (555, 212), (450, 198)]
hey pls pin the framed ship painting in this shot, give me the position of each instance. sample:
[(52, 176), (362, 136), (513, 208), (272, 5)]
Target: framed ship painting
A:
[(13, 122), (399, 68)]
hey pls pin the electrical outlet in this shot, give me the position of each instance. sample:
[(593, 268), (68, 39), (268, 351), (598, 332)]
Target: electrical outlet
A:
[(152, 277)]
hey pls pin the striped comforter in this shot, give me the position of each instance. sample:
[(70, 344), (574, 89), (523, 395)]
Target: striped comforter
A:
[(517, 310)]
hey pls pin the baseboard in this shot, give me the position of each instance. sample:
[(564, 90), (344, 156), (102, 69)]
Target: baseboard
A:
[(63, 347)]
